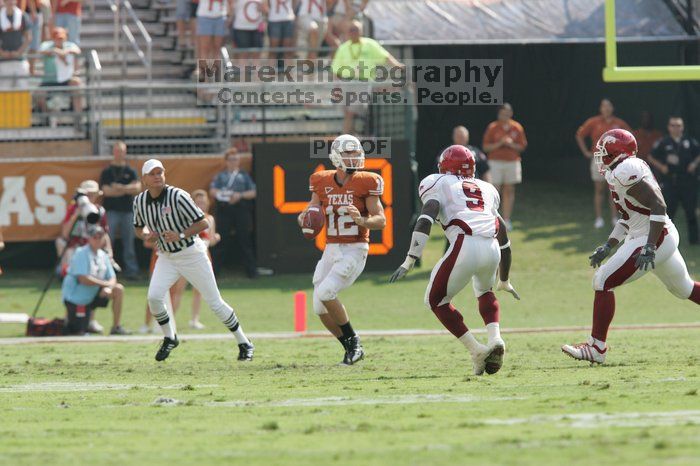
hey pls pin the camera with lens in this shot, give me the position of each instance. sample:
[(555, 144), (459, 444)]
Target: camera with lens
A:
[(86, 209)]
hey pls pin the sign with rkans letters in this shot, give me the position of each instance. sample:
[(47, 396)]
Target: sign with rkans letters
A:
[(35, 193)]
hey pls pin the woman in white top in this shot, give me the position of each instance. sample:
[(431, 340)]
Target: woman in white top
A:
[(212, 28), (248, 27), (311, 23), (280, 26)]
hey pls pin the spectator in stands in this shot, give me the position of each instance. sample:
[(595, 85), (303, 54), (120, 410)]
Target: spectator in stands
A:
[(593, 128), (43, 8), (280, 27), (248, 28), (460, 135), (29, 7), (504, 142), (234, 191), (212, 29), (2, 245), (346, 63), (646, 135), (676, 157), (185, 13), (74, 226), (67, 14), (91, 283), (311, 26), (120, 184), (15, 39), (59, 68), (342, 12)]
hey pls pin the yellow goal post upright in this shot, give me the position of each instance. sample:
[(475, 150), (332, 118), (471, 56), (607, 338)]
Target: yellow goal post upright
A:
[(614, 73)]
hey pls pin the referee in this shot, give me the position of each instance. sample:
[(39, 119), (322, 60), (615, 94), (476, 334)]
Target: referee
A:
[(175, 221)]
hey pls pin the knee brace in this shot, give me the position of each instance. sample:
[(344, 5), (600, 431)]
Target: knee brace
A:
[(327, 290), (319, 307)]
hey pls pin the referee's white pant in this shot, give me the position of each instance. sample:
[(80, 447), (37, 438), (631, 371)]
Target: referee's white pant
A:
[(192, 263)]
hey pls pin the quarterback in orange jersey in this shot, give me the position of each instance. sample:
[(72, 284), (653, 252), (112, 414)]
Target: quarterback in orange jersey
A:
[(350, 200)]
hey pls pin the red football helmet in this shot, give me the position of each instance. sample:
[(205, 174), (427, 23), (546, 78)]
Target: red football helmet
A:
[(613, 147), (457, 160)]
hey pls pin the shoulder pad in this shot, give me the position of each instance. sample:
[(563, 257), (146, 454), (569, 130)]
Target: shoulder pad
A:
[(630, 171), (429, 183)]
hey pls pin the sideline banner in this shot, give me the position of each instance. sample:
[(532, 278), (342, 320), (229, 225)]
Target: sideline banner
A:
[(35, 193)]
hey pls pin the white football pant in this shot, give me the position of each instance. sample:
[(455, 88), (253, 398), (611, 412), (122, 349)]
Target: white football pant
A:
[(339, 267)]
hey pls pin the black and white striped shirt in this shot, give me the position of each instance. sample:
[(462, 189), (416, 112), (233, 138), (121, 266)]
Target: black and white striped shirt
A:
[(173, 210)]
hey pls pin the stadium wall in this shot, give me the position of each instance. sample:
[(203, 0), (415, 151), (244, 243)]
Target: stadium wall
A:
[(553, 89)]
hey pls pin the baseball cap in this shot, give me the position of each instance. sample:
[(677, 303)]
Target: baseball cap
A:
[(94, 230), (150, 165), (89, 186)]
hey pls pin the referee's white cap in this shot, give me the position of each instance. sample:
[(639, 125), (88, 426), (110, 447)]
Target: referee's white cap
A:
[(150, 165)]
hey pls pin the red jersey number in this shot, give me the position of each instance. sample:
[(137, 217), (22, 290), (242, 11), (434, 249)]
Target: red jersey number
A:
[(475, 199), (616, 200)]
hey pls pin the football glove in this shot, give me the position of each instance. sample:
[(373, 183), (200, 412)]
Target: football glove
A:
[(645, 258), (599, 254), (507, 287), (403, 269)]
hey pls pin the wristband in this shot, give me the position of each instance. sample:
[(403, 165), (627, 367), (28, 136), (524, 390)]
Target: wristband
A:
[(658, 218), (505, 246), (428, 218), (418, 242)]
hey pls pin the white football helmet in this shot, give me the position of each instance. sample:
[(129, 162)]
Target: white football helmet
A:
[(341, 151)]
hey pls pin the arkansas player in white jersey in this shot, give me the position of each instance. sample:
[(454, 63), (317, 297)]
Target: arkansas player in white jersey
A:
[(650, 239), (467, 209)]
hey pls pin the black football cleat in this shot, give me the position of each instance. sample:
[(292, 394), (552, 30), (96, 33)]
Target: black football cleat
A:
[(245, 351), (354, 351), (166, 347)]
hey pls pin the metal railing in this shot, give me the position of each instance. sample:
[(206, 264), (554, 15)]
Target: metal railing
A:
[(95, 100), (121, 25)]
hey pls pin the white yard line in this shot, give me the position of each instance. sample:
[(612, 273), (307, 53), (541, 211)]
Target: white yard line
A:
[(349, 400), (87, 387), (597, 420), (323, 334)]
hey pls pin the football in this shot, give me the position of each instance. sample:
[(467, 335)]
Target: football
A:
[(313, 222)]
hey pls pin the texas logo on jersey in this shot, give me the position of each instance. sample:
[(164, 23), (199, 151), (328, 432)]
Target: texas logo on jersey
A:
[(334, 198)]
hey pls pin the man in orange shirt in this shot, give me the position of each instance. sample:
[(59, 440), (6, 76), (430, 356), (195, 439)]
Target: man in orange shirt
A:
[(646, 135), (504, 141), (593, 128)]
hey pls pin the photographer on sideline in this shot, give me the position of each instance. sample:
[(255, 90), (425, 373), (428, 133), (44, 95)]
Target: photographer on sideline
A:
[(84, 210), (90, 283)]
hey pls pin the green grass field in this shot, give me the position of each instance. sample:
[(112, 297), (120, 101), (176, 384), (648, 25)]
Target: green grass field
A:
[(412, 401)]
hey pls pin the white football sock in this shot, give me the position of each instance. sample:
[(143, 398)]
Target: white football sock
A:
[(169, 329), (240, 336), (470, 342), (494, 331)]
